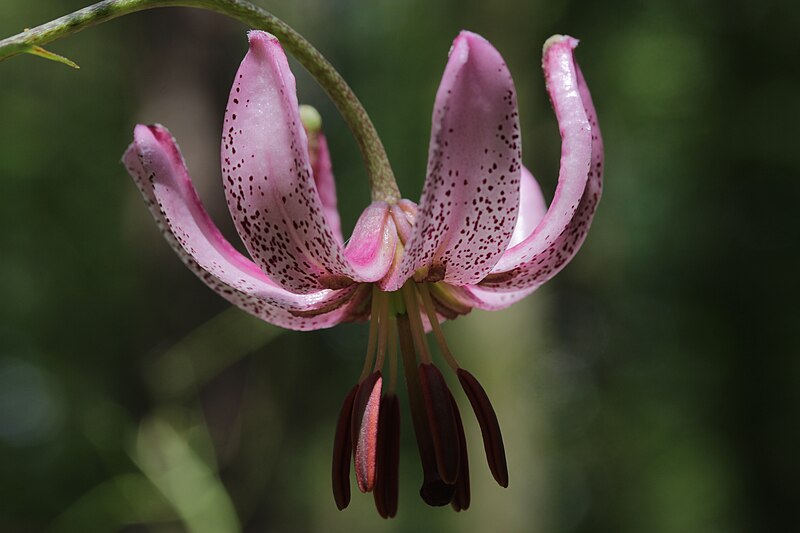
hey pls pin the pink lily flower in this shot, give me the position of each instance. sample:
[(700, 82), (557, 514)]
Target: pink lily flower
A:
[(481, 237)]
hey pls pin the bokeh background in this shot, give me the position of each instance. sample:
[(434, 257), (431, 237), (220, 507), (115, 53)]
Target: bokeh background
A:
[(652, 386)]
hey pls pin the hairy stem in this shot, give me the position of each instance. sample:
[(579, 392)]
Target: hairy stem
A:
[(382, 180)]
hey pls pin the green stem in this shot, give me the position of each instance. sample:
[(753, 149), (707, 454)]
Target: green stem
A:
[(382, 182)]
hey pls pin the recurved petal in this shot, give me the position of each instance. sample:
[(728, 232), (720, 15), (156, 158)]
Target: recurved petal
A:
[(532, 207), (371, 248), (326, 186), (268, 179), (491, 299), (156, 165), (471, 195), (452, 301), (561, 232)]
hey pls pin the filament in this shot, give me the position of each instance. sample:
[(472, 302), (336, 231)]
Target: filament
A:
[(392, 353), (417, 329), (427, 301), (373, 332), (383, 331)]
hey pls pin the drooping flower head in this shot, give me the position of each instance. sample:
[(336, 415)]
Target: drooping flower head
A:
[(481, 236)]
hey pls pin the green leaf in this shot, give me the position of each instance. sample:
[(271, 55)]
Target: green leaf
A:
[(41, 52)]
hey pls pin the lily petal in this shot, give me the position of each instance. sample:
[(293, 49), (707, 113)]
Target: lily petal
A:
[(372, 246), (562, 230), (268, 179), (532, 207), (490, 299), (156, 165), (452, 301), (326, 185), (470, 199)]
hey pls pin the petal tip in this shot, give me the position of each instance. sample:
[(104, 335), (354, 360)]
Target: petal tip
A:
[(471, 37), (467, 40), (150, 138), (258, 38), (558, 39), (142, 132), (459, 48), (472, 50), (142, 129)]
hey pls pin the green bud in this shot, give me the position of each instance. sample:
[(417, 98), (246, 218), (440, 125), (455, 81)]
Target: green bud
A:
[(312, 121)]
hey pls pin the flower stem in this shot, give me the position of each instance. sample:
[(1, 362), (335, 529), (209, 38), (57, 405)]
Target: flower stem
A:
[(382, 182)]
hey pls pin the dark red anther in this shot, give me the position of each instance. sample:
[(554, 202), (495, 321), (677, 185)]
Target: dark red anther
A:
[(388, 457), (490, 427), (434, 491), (442, 422), (461, 498), (342, 447), (364, 429)]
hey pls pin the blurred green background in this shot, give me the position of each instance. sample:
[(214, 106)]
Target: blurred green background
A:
[(652, 386)]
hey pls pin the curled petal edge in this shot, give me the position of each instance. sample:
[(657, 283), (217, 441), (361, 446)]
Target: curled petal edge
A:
[(563, 228)]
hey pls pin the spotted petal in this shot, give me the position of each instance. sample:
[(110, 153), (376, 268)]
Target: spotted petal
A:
[(155, 163), (532, 207), (268, 178), (490, 299), (561, 232), (470, 199), (326, 187), (371, 248)]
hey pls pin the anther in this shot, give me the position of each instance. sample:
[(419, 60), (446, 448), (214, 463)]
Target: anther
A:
[(490, 427), (388, 457), (442, 422), (364, 429), (342, 446), (434, 491), (461, 498)]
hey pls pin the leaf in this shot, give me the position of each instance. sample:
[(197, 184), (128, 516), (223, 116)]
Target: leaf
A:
[(41, 52)]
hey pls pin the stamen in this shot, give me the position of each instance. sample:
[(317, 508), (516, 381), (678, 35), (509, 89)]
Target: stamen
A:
[(342, 445), (364, 429), (434, 491), (461, 498), (392, 354), (484, 412), (417, 329), (383, 330), (437, 329), (388, 457), (490, 427), (442, 422)]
